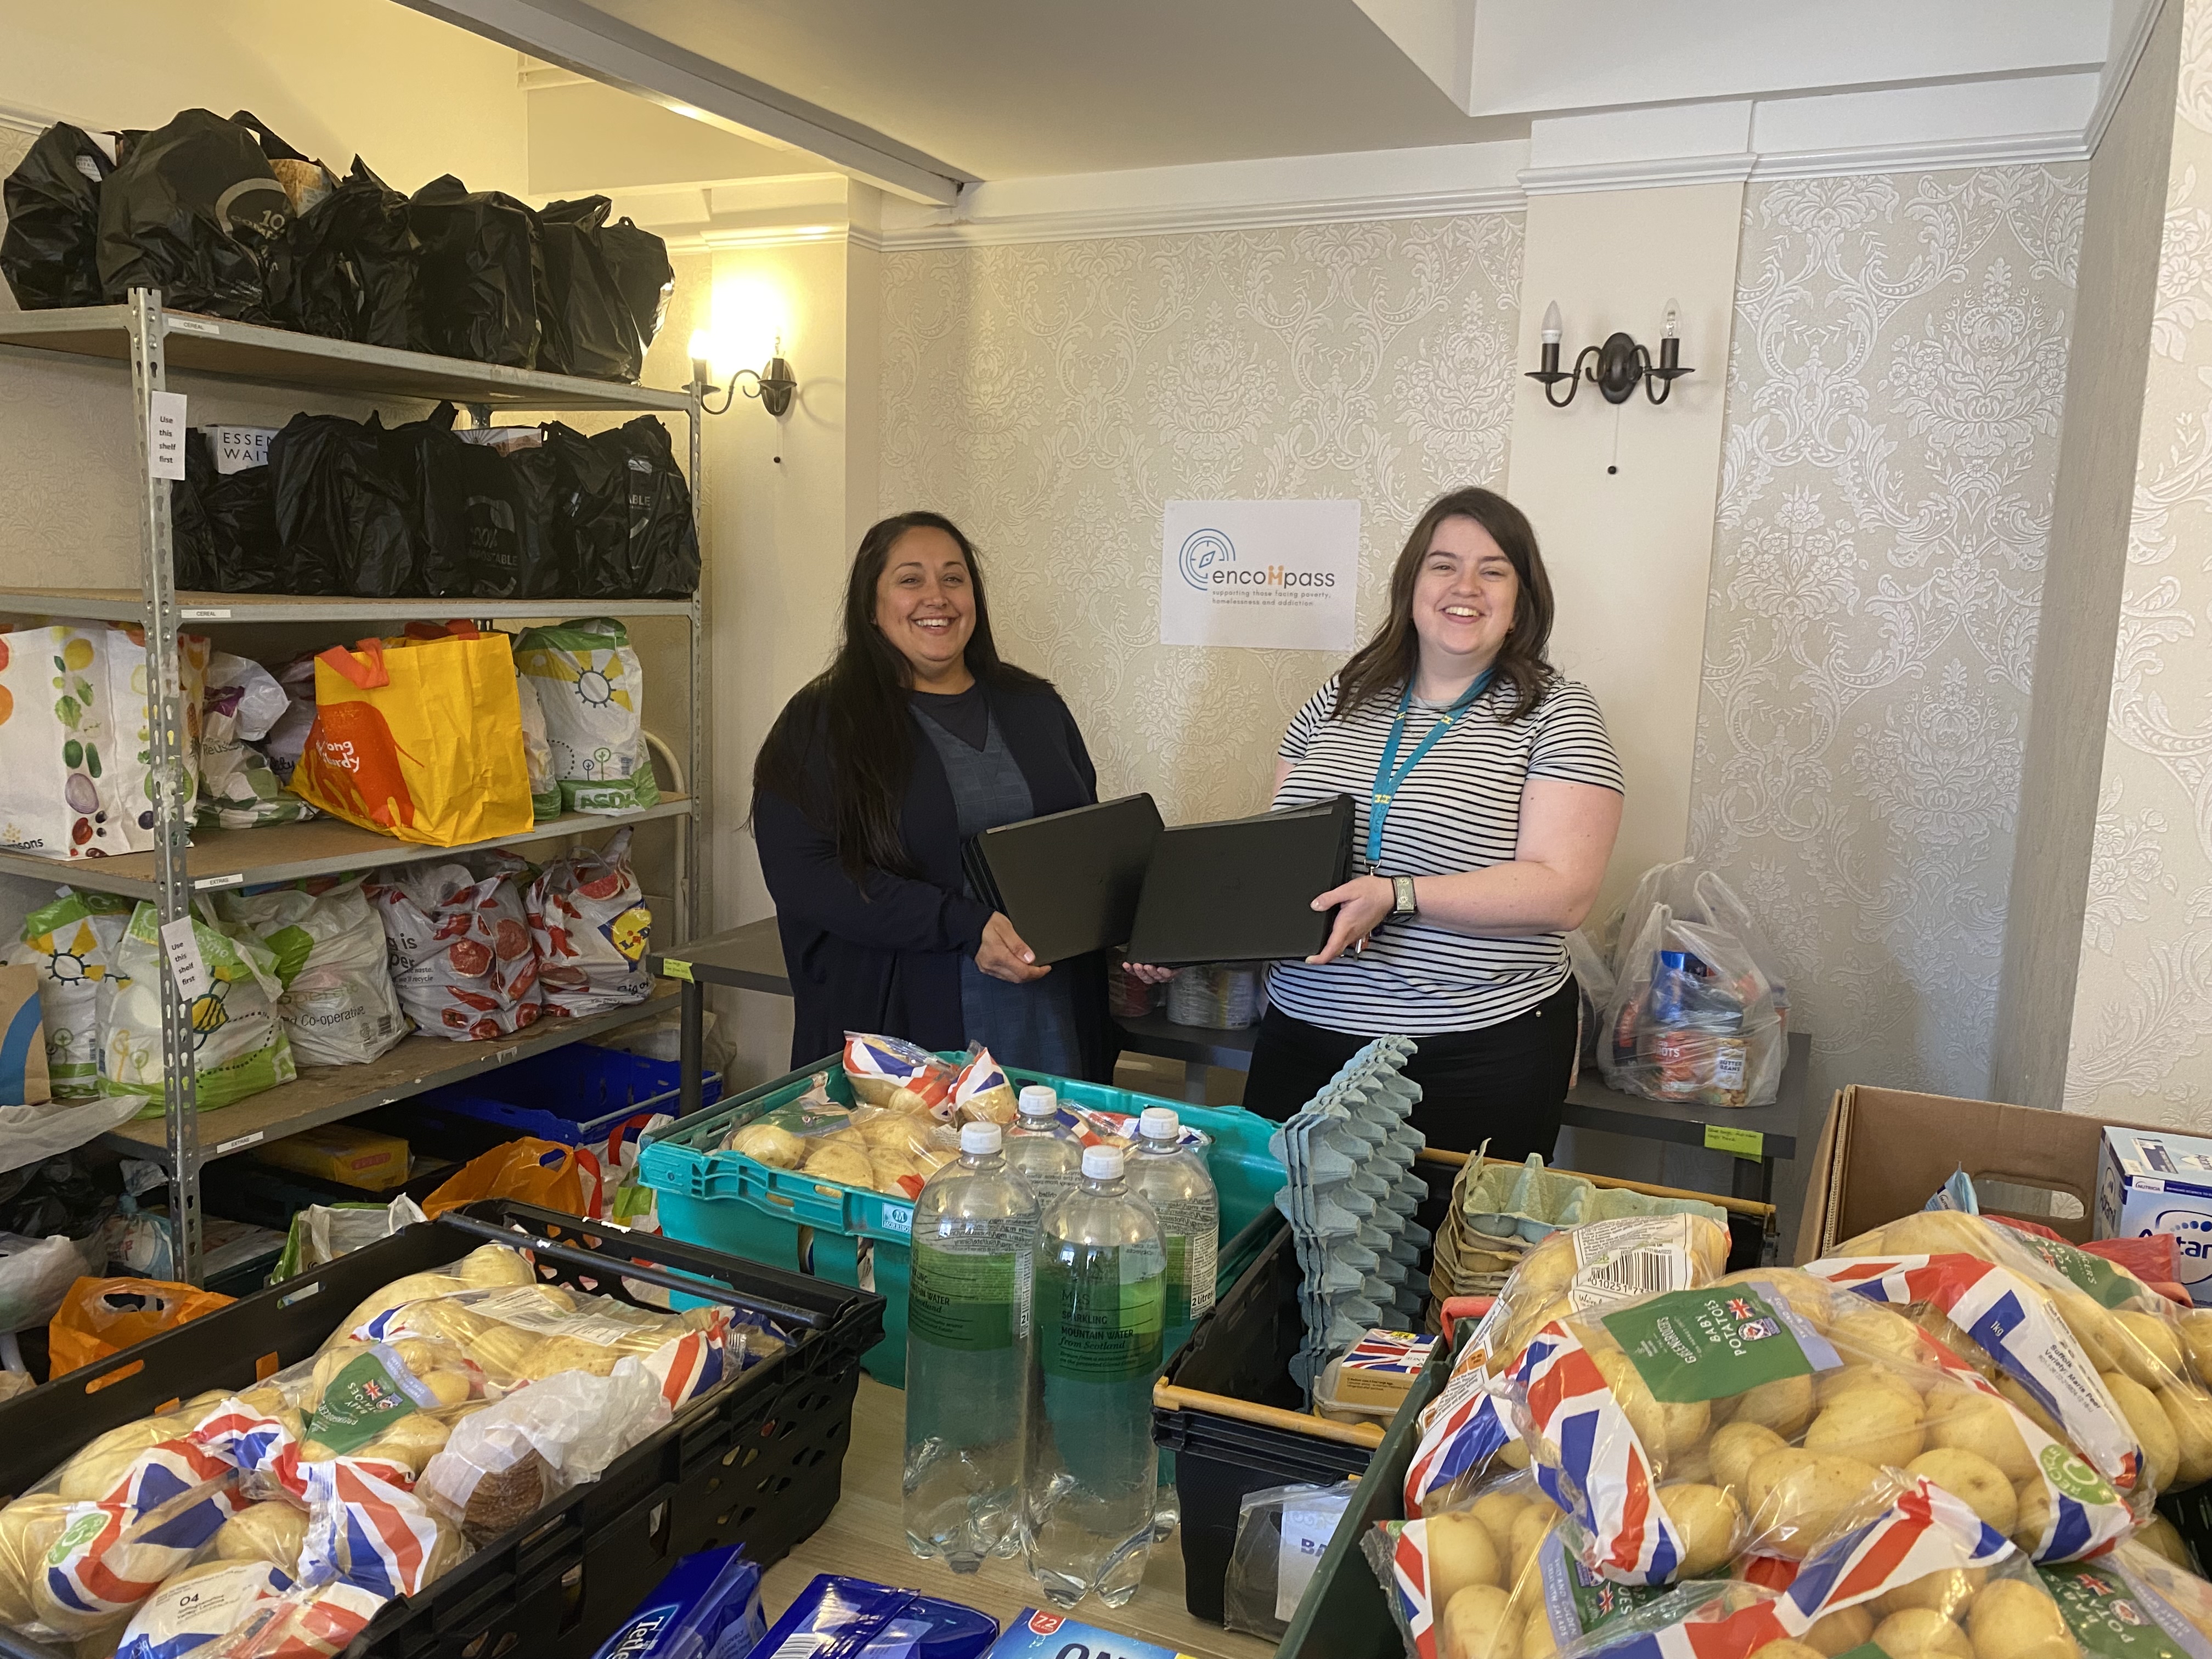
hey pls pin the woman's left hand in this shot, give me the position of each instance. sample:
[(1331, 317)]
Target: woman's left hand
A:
[(1361, 905)]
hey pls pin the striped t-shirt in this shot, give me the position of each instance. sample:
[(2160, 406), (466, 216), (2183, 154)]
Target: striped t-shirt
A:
[(1458, 810)]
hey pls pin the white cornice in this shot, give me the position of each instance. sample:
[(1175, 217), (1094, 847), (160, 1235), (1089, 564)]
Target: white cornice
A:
[(1930, 157), (1169, 219), (2118, 71), (1644, 174)]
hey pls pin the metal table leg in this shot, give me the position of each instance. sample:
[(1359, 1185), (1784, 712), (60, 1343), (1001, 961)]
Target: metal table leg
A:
[(691, 1003)]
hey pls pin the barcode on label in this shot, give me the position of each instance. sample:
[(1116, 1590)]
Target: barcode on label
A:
[(1636, 1272), (801, 1645)]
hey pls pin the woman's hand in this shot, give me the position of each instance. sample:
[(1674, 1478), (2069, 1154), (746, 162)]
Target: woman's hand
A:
[(1361, 904), (1146, 972), (1003, 956)]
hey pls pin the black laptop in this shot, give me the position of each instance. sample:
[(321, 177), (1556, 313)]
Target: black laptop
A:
[(1244, 890), (1068, 881)]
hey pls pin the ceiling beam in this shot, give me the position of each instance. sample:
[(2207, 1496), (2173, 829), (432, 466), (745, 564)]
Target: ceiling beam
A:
[(580, 37)]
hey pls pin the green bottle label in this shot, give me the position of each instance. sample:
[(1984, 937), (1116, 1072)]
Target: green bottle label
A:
[(963, 1302), (1102, 1312), (1706, 1344), (361, 1402)]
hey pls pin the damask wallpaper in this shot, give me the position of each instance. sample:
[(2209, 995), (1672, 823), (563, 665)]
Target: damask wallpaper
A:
[(1894, 397), (2142, 1043), (1051, 398)]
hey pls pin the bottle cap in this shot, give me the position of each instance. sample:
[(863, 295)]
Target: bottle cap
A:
[(1158, 1123), (1037, 1100), (1102, 1162), (980, 1137)]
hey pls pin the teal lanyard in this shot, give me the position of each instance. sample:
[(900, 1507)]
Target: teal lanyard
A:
[(1390, 775)]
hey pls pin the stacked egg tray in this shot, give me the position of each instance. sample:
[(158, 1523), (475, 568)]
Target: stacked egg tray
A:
[(1351, 1199)]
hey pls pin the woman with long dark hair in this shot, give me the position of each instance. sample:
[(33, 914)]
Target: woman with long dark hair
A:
[(916, 738), (1489, 797)]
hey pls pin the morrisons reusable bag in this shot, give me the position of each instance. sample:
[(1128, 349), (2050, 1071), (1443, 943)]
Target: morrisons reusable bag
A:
[(71, 941), (592, 692), (238, 1043), (419, 738), (55, 748)]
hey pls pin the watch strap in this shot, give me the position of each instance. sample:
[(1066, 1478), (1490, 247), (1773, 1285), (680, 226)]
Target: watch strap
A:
[(1401, 890)]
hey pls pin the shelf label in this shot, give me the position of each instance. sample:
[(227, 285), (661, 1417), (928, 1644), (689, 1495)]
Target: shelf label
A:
[(186, 966), (225, 1148), (231, 880), (179, 325), (165, 435), (672, 969), (204, 612), (1744, 1143)]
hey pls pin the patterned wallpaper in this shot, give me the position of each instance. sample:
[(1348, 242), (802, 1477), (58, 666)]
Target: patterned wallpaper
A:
[(2142, 1044), (1052, 397), (1894, 397)]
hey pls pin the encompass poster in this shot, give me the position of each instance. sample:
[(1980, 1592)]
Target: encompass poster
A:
[(1282, 575)]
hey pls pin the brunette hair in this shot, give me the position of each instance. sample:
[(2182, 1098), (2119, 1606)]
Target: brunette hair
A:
[(857, 707), (1385, 665)]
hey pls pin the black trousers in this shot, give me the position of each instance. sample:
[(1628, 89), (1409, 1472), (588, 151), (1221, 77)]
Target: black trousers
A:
[(1504, 1083)]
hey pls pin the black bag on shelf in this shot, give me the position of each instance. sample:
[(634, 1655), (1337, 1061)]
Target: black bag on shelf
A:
[(245, 555), (50, 251), (467, 509), (481, 273), (589, 330), (640, 262), (344, 515), (194, 210), (549, 544), (659, 556), (192, 541), (591, 524), (353, 267), (306, 181)]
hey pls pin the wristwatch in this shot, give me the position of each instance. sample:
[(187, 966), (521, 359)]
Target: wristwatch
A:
[(1403, 903)]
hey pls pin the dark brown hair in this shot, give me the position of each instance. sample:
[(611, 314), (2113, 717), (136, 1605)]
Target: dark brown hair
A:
[(857, 707), (1386, 665)]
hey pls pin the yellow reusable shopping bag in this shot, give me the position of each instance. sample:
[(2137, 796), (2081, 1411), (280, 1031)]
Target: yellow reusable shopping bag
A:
[(421, 738)]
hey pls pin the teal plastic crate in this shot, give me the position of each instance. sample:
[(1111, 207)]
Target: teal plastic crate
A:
[(852, 1236)]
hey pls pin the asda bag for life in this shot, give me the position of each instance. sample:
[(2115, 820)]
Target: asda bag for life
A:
[(421, 738), (239, 1044), (592, 692)]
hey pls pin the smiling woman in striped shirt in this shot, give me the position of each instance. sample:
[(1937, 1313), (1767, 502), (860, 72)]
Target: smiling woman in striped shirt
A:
[(1489, 797)]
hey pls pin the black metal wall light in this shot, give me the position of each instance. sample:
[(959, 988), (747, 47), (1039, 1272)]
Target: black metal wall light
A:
[(1615, 368)]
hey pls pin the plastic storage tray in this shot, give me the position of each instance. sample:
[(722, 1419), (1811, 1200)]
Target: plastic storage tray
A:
[(1229, 1410), (728, 1201), (758, 1461), (579, 1095)]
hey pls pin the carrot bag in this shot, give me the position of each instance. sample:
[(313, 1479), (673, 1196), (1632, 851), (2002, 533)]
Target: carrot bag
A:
[(1683, 1429)]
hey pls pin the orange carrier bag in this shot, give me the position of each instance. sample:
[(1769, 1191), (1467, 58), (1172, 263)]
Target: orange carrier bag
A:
[(102, 1316), (420, 738), (541, 1172)]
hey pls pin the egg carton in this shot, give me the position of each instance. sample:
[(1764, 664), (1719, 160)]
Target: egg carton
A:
[(1527, 1203)]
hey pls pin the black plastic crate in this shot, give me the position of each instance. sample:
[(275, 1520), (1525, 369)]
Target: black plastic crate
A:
[(758, 1461), (1240, 1353)]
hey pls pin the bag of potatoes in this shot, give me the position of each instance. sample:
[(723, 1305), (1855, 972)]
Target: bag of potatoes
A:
[(890, 1072), (2134, 1590), (366, 1526), (488, 1267), (1575, 1270), (1678, 1430), (318, 1622), (2148, 1355), (200, 1605)]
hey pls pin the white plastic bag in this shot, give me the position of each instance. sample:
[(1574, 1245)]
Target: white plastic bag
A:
[(72, 942), (241, 1047), (322, 1233), (339, 1005), (592, 692), (459, 948), (288, 738), (537, 752), (35, 1274), (590, 926), (238, 789)]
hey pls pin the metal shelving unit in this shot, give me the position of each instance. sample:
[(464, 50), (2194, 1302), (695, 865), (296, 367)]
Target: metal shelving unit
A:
[(154, 343)]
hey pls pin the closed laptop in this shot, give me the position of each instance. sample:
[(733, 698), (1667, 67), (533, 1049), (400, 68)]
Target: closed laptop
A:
[(1068, 881), (1244, 890)]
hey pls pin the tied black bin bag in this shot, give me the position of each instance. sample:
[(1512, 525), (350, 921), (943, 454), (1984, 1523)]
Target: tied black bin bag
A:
[(640, 262), (195, 211), (344, 512), (481, 274), (658, 556), (549, 542), (589, 330), (223, 527), (353, 267), (51, 253), (468, 509)]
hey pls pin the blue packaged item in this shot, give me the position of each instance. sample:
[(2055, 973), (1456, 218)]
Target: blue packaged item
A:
[(836, 1618), (707, 1608), (1035, 1635)]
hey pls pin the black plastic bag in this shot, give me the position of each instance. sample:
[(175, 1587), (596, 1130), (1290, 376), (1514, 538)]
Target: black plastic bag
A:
[(591, 522), (549, 543), (589, 330), (467, 507), (193, 210), (659, 558), (481, 273), (246, 555), (353, 267), (306, 181), (640, 262), (343, 514), (191, 540), (51, 253)]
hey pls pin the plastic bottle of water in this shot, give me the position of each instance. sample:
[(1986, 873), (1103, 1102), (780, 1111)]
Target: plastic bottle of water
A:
[(1174, 1180), (1101, 1286), (1041, 1149), (969, 1336)]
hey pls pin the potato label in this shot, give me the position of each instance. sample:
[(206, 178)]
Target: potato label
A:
[(361, 1402), (2112, 1621), (1705, 1345)]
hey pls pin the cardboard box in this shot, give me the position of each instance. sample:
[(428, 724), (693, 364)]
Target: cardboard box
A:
[(340, 1152), (2155, 1180), (1883, 1152), (1381, 1367)]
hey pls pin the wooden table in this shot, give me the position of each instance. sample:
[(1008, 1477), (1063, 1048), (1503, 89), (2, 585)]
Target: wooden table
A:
[(865, 1537)]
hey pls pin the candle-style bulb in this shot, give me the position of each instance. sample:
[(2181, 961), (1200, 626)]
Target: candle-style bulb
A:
[(1552, 328), (1670, 324)]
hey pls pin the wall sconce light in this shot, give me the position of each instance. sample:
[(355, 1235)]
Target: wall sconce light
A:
[(774, 385), (1615, 367)]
